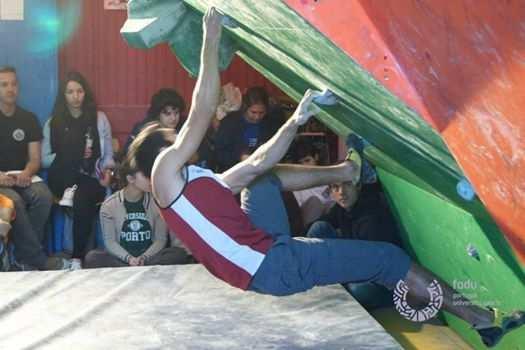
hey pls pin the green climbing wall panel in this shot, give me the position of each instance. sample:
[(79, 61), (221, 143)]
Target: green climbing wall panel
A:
[(440, 235)]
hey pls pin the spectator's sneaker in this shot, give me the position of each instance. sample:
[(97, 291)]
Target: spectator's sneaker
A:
[(67, 198), (503, 324), (76, 264), (56, 263)]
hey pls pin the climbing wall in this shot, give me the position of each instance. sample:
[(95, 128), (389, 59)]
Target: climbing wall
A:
[(421, 159)]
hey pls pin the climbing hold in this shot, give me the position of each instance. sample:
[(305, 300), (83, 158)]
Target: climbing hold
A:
[(229, 22), (326, 98), (472, 252), (465, 190)]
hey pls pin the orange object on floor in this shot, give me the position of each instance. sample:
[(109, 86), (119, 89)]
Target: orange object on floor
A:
[(7, 208)]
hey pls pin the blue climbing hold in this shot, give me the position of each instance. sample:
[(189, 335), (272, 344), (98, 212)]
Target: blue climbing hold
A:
[(465, 190), (327, 98), (229, 22)]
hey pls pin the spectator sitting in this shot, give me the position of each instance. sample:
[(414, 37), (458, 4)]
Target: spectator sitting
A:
[(20, 136), (166, 107), (134, 232), (360, 213), (78, 151), (241, 132)]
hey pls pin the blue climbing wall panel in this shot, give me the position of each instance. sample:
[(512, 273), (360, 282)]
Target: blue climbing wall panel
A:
[(30, 45)]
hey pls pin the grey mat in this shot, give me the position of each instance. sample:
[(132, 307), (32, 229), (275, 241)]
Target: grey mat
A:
[(174, 307)]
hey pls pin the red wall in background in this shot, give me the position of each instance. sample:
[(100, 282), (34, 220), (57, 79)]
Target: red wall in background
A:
[(122, 78)]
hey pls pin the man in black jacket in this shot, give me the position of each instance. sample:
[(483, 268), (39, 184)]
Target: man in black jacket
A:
[(360, 212)]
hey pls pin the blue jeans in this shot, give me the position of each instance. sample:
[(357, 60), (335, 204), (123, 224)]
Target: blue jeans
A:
[(295, 265), (370, 295), (321, 229), (263, 203)]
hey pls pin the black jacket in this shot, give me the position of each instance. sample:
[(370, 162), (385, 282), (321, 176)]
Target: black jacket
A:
[(369, 219)]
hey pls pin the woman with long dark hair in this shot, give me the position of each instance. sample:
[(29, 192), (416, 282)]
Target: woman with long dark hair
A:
[(77, 148), (166, 107)]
